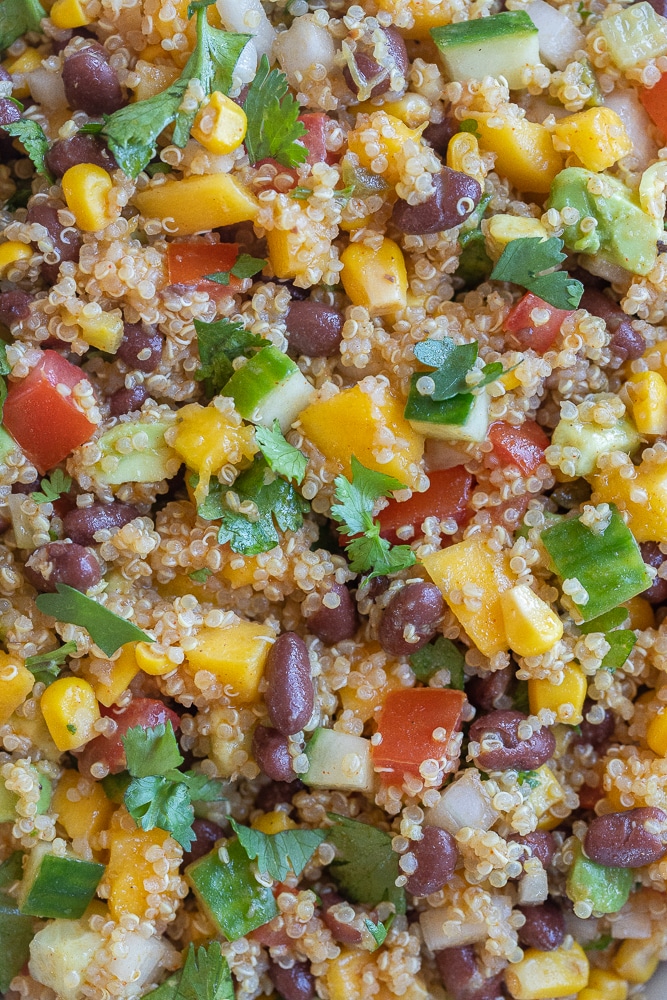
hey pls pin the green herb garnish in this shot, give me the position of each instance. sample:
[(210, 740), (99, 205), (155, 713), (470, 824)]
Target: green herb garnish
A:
[(204, 976), (378, 931), (279, 853), (273, 119), (283, 458), (366, 867), (32, 135), (53, 487), (17, 17), (46, 666), (245, 267), (469, 125), (4, 370), (107, 630), (219, 344), (439, 655), (530, 778), (530, 262), (452, 363), (200, 575)]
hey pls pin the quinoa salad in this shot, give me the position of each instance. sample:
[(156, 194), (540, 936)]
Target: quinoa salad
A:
[(333, 499)]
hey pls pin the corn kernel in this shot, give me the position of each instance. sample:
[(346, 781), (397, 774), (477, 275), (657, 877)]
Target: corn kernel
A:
[(546, 975), (29, 60), (103, 330), (206, 440), (87, 188), (463, 155), (221, 124), (531, 626), (276, 821), (543, 694), (412, 109), (656, 734), (155, 664), (597, 137), (69, 14), (235, 655), (609, 984), (16, 683), (88, 814), (376, 279), (636, 961), (648, 393), (70, 710), (502, 229), (198, 204), (10, 252)]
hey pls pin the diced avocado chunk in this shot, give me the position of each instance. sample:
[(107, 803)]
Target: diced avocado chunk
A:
[(339, 760), (7, 445), (268, 387), (590, 441), (606, 889), (57, 886), (625, 235), (634, 35), (464, 417), (608, 564), (504, 44), (150, 460)]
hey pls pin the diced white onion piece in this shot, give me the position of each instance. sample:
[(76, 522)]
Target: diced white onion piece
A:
[(630, 922), (142, 961), (248, 17), (441, 930), (302, 46), (463, 803), (47, 88), (533, 887), (583, 931), (442, 455), (558, 37), (21, 523), (58, 951), (638, 126)]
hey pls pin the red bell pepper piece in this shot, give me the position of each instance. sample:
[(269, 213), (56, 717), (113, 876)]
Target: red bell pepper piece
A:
[(407, 723), (46, 423), (655, 102), (315, 139), (447, 497), (524, 332), (522, 446), (189, 263)]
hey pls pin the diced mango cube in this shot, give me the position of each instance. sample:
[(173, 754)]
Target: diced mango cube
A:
[(636, 961), (643, 497), (29, 60), (128, 868), (389, 134), (640, 612), (110, 683), (572, 692), (68, 14), (597, 137), (531, 625), (426, 14), (236, 654), (467, 564), (70, 710), (544, 975), (412, 109), (81, 806), (103, 330), (198, 203), (648, 393), (524, 150), (375, 279), (610, 985), (547, 791), (153, 79), (276, 821), (354, 422), (16, 683), (502, 229)]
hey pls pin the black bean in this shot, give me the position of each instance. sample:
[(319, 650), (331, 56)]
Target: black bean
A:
[(626, 342), (26, 488), (439, 134), (127, 400), (277, 793), (455, 197), (652, 556), (333, 625), (206, 834), (436, 854), (342, 932), (417, 608), (542, 845), (91, 84), (62, 562), (141, 347), (544, 927), (488, 690), (659, 6), (290, 695), (66, 153), (14, 306), (508, 749), (5, 75), (595, 735), (67, 245), (81, 523), (570, 496), (271, 753), (9, 112), (297, 983), (314, 329), (462, 978), (599, 304), (368, 68), (621, 840)]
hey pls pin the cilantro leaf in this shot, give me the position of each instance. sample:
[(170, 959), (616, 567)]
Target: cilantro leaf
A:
[(32, 135), (279, 853), (53, 487), (283, 458), (439, 655), (155, 801), (219, 344), (18, 17), (469, 125), (366, 867), (4, 370), (525, 261), (204, 976), (530, 778), (200, 575), (273, 125), (46, 666), (151, 751), (107, 630), (377, 931), (371, 552), (245, 267), (452, 361)]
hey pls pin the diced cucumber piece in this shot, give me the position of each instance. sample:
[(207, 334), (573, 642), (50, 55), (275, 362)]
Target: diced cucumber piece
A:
[(339, 760), (591, 440), (229, 893), (8, 445), (151, 460), (16, 932), (606, 889), (464, 417), (61, 948), (634, 35), (55, 886), (9, 799), (269, 387), (501, 45), (609, 565)]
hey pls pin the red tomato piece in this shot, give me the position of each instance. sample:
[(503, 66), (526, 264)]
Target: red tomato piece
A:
[(447, 496), (188, 263), (47, 424), (522, 329), (109, 750), (522, 446), (655, 102), (407, 723), (315, 139)]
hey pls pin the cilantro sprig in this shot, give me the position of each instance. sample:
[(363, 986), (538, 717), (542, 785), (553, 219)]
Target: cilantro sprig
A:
[(204, 976), (279, 853), (34, 140), (283, 458), (46, 666), (53, 487), (452, 363), (273, 119), (4, 370), (107, 630), (17, 17), (530, 262), (368, 552), (220, 343), (133, 131), (159, 795), (365, 868), (439, 655), (245, 267)]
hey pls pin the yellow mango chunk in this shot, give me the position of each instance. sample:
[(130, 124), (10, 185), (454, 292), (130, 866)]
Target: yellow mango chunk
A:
[(636, 961), (275, 821), (426, 14), (70, 710), (198, 204), (153, 79), (344, 975), (531, 626), (656, 734), (68, 14), (11, 252), (546, 793), (355, 423), (640, 612), (611, 986), (543, 694), (524, 151), (545, 975), (128, 867), (236, 654), (471, 564), (597, 137), (16, 683), (375, 279), (103, 330), (644, 498), (110, 684), (412, 109), (81, 806), (240, 575), (387, 132), (648, 394)]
